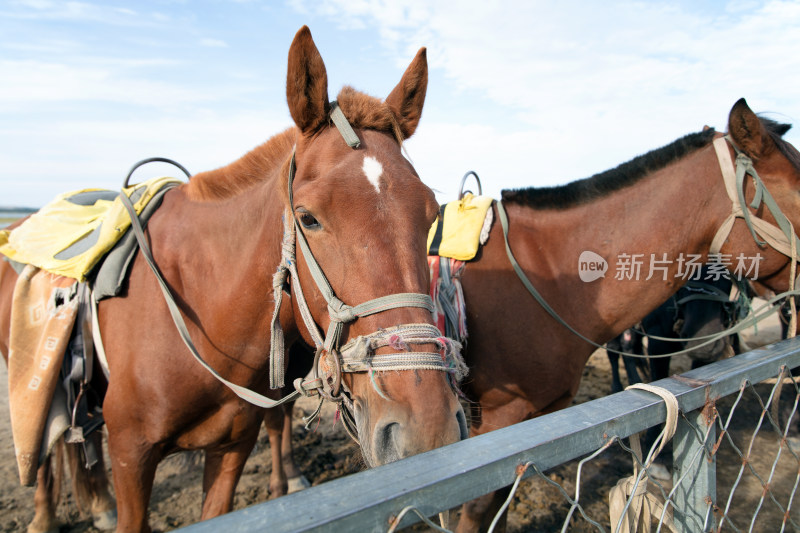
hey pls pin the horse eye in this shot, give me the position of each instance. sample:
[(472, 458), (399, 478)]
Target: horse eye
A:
[(307, 219)]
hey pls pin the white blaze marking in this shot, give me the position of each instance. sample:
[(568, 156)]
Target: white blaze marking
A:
[(373, 170)]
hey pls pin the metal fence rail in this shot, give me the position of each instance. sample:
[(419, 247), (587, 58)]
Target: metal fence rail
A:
[(444, 478)]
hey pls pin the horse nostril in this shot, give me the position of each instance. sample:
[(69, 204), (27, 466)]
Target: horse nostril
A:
[(387, 442)]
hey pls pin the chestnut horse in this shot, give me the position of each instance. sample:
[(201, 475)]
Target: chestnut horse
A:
[(670, 201), (336, 186)]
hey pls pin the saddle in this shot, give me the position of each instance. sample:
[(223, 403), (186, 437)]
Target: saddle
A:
[(459, 231), (73, 245), (71, 234)]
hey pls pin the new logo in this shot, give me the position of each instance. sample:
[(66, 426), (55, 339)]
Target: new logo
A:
[(591, 266)]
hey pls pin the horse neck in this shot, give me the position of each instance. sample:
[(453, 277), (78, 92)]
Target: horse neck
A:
[(672, 211), (233, 245)]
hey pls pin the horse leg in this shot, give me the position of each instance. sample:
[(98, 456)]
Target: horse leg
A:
[(613, 360), (133, 468), (631, 369), (91, 486), (221, 474), (616, 382), (477, 515), (45, 498), (297, 481), (301, 359), (273, 421)]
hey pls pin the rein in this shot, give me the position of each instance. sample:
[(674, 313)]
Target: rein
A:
[(243, 392), (782, 238), (355, 356)]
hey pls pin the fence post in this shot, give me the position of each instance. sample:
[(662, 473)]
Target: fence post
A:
[(694, 471)]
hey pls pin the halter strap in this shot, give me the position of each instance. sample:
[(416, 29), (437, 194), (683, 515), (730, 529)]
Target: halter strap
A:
[(779, 237), (339, 312), (344, 127)]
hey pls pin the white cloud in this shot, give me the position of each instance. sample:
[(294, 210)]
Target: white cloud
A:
[(581, 87), (213, 43), (28, 83), (99, 153), (53, 10), (524, 93)]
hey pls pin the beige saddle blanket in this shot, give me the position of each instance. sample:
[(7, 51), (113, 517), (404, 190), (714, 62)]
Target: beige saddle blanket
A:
[(44, 307)]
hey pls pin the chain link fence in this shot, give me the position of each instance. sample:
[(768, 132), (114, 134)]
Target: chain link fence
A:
[(735, 465)]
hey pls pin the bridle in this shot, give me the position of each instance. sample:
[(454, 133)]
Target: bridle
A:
[(357, 355), (781, 237)]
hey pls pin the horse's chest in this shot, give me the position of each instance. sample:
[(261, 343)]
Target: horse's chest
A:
[(232, 422)]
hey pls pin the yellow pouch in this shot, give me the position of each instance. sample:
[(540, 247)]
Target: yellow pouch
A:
[(456, 231)]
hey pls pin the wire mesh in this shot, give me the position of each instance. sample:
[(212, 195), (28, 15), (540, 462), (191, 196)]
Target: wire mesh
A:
[(756, 453)]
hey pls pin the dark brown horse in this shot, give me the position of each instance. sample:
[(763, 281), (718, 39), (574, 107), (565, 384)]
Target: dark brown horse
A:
[(523, 363), (217, 240)]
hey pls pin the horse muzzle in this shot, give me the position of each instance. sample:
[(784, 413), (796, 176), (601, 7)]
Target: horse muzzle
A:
[(396, 435)]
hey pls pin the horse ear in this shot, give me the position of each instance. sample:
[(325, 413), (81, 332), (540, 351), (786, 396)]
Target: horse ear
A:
[(406, 100), (306, 83), (746, 130)]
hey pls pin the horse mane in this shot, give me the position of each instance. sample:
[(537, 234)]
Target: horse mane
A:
[(585, 190), (243, 173), (362, 111)]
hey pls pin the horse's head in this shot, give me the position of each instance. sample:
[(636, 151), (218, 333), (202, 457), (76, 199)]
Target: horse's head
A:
[(767, 169), (364, 214), (705, 309)]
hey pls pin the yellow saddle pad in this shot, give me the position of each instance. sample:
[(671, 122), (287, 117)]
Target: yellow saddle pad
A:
[(72, 233), (456, 232)]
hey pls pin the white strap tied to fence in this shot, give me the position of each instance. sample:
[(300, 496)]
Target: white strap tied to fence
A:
[(631, 507)]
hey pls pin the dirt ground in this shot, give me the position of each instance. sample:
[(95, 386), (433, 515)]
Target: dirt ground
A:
[(325, 452)]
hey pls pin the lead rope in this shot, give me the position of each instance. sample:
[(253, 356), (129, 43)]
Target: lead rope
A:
[(631, 507), (539, 298)]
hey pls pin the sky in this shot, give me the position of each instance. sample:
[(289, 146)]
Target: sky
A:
[(533, 93)]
